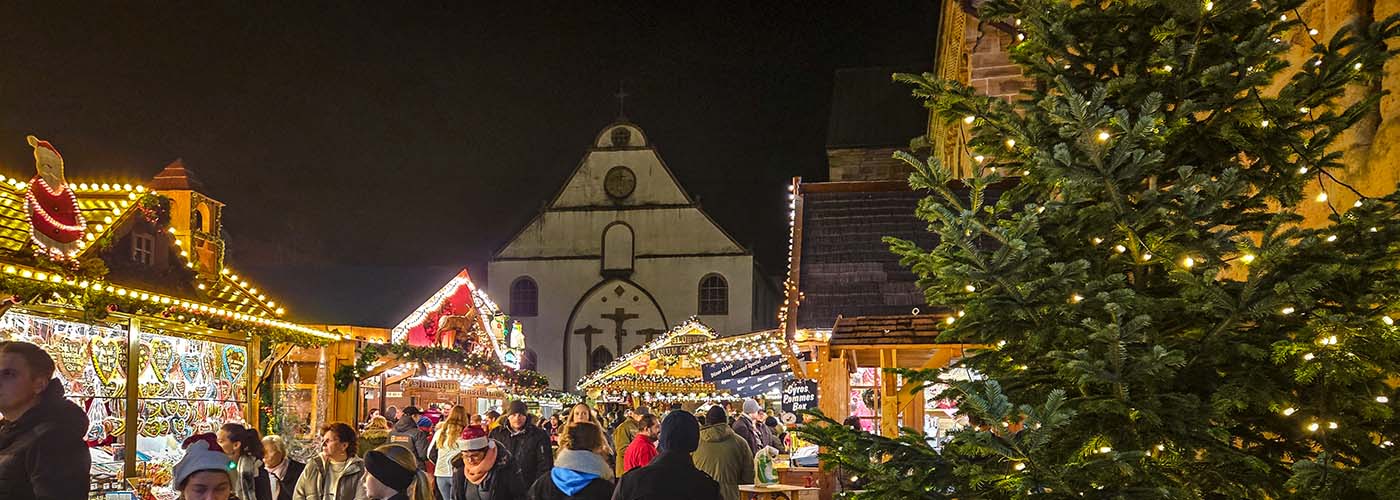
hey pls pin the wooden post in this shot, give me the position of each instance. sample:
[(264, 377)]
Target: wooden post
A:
[(889, 395), (133, 375), (252, 417)]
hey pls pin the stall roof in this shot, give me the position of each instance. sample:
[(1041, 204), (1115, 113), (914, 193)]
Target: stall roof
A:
[(904, 329)]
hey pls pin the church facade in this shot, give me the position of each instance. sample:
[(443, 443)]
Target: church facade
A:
[(618, 256)]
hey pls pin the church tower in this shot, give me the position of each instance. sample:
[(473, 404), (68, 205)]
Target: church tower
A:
[(619, 255), (194, 216)]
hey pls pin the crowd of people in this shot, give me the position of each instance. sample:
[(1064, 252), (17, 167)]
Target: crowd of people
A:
[(403, 454)]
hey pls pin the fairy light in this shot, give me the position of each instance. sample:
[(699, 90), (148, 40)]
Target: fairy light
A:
[(1264, 123), (1313, 427), (1120, 248), (1011, 143), (1210, 6), (1105, 449), (1288, 412), (1302, 170), (1188, 262), (1382, 399), (969, 119), (1247, 258), (1103, 136), (970, 288), (1019, 466), (1076, 298), (1287, 310), (1146, 256), (1097, 240), (1388, 320), (1308, 357), (1321, 197), (1331, 238)]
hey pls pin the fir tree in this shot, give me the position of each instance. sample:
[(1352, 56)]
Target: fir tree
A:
[(1158, 321)]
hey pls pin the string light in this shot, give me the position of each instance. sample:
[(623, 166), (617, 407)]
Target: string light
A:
[(1247, 258), (1103, 136), (1120, 248), (1287, 310), (1188, 262), (1382, 399), (1288, 412), (1076, 298), (1313, 427), (1011, 143), (969, 119), (1308, 357), (970, 288), (1388, 320), (1321, 197)]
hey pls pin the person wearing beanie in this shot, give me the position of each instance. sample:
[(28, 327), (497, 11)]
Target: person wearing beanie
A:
[(529, 446), (392, 473), (672, 475), (579, 472), (202, 474), (407, 434), (749, 426), (484, 469), (723, 454)]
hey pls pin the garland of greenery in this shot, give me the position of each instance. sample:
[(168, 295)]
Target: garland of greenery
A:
[(476, 364)]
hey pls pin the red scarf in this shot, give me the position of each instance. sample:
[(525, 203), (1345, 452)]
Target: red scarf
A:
[(477, 473)]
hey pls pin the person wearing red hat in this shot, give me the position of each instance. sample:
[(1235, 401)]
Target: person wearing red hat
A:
[(484, 470)]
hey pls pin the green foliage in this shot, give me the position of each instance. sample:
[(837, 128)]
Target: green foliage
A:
[(1153, 135), (513, 380)]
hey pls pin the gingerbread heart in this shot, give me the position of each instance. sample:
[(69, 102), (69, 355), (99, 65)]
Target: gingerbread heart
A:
[(162, 357), (190, 366), (235, 360), (71, 351), (106, 357)]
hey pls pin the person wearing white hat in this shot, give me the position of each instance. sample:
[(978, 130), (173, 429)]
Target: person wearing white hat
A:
[(202, 474)]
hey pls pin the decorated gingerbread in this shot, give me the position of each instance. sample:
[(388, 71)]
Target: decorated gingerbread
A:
[(57, 224)]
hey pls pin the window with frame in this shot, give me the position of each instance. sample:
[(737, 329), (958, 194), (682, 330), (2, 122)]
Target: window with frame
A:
[(143, 248), (524, 298), (599, 359), (714, 295), (620, 137)]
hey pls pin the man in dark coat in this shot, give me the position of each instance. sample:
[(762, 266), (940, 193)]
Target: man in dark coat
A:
[(529, 445), (672, 475), (407, 434), (42, 452), (750, 426)]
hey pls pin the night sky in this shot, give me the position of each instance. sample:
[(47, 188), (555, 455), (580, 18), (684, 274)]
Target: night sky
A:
[(345, 138)]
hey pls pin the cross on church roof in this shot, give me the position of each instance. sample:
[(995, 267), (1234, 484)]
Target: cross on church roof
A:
[(621, 101)]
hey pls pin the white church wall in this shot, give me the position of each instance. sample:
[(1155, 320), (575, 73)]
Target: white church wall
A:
[(676, 283), (669, 231), (561, 283), (654, 183)]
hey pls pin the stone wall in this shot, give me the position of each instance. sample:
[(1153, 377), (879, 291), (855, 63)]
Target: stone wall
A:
[(865, 164), (989, 65)]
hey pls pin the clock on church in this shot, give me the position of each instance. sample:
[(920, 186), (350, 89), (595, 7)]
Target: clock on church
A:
[(620, 182)]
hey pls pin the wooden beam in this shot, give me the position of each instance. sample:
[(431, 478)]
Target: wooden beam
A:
[(273, 359)]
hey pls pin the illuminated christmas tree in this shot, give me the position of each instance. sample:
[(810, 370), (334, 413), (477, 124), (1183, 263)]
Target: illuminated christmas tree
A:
[(1157, 321)]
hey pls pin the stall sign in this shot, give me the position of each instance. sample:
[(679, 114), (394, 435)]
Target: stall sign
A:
[(799, 395), (771, 365)]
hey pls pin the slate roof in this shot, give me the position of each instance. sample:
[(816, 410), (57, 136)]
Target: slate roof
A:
[(888, 330), (846, 268), (868, 108)]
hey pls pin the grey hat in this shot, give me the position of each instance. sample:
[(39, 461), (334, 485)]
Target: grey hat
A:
[(751, 406)]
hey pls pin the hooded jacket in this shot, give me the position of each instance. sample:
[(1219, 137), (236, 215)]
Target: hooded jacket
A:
[(530, 449), (315, 482), (577, 474), (407, 433), (725, 457), (369, 440), (672, 476), (42, 454)]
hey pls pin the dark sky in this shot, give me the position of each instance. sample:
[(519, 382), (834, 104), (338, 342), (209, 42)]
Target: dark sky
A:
[(425, 135)]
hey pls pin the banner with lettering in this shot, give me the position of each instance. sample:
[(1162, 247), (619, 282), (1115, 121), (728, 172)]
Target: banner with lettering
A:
[(771, 365), (799, 394)]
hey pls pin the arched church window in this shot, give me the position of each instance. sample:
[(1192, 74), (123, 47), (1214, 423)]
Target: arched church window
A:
[(599, 359), (197, 221), (621, 136), (714, 295), (524, 297), (618, 247)]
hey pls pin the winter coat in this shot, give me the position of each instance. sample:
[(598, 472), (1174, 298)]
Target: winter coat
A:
[(42, 454), (672, 476), (371, 439), (250, 479), (577, 474), (754, 433), (288, 483), (315, 482), (640, 452), (725, 457), (530, 450), (407, 434), (622, 437), (502, 483)]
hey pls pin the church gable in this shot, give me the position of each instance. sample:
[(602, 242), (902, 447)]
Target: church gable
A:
[(621, 170)]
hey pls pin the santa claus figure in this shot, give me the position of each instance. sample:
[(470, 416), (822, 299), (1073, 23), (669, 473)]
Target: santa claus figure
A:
[(57, 225)]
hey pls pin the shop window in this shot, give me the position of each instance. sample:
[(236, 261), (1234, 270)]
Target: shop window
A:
[(143, 248), (714, 295), (599, 359), (524, 298)]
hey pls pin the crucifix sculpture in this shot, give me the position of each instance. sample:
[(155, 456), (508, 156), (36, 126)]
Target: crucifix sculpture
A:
[(650, 333), (619, 316), (621, 96), (588, 332)]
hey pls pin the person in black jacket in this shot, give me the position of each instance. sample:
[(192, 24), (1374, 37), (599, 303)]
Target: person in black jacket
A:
[(672, 474), (484, 470), (580, 472), (42, 452), (284, 471), (528, 444)]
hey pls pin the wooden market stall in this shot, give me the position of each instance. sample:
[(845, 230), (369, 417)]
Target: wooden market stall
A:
[(690, 364), (456, 348), (126, 287)]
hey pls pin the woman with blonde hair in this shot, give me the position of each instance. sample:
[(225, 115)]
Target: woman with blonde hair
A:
[(581, 471), (446, 448), (582, 413), (375, 434), (392, 473)]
